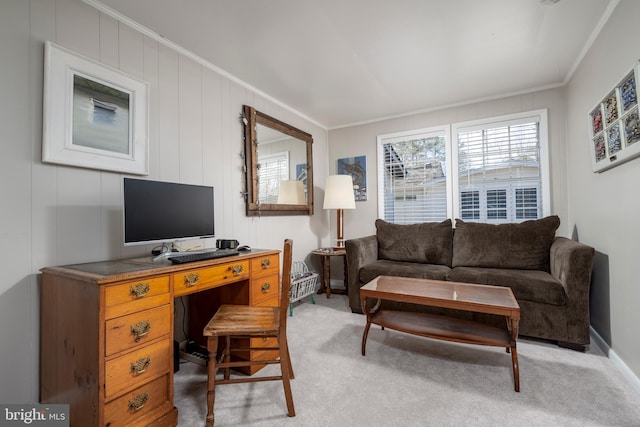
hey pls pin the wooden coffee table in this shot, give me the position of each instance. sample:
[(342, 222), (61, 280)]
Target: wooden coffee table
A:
[(496, 300)]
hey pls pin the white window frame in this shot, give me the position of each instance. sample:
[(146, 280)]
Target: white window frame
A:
[(408, 135), (264, 161), (537, 115), (452, 179)]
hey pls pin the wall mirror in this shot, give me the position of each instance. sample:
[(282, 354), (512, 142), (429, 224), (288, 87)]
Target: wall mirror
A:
[(279, 166)]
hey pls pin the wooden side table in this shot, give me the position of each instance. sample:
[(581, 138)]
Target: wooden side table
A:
[(325, 255)]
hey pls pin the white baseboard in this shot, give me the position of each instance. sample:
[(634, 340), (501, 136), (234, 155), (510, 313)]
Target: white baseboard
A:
[(337, 284), (617, 361)]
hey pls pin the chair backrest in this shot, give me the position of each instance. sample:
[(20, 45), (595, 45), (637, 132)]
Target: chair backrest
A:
[(286, 280)]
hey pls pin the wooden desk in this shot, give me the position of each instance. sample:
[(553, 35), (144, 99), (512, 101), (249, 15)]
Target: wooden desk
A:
[(106, 341)]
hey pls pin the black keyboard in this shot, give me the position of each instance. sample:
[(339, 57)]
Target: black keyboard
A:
[(199, 256)]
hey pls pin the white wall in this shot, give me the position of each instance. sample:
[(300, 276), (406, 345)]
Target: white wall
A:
[(54, 215), (361, 140), (605, 207)]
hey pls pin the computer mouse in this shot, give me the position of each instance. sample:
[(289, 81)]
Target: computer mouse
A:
[(244, 248)]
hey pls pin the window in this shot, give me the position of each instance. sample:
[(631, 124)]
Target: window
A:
[(413, 172), (503, 161), (499, 171), (526, 203), (272, 168), (496, 204), (470, 205)]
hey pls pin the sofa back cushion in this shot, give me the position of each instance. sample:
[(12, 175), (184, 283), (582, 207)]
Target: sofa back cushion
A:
[(524, 246), (427, 243)]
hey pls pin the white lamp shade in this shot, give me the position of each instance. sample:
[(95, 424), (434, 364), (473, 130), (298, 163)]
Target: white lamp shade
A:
[(338, 192), (291, 192)]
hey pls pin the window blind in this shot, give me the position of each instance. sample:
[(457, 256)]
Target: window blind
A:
[(500, 164), (494, 170), (414, 170), (272, 169)]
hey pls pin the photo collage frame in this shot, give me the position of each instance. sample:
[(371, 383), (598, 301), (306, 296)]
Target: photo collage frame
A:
[(614, 125)]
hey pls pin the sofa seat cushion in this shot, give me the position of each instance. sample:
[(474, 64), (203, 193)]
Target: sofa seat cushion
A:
[(521, 246), (427, 243), (527, 285), (403, 269)]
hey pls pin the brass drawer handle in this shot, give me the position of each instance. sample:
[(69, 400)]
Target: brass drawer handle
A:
[(140, 290), (139, 366), (236, 269), (141, 329), (191, 280), (138, 402), (266, 287), (266, 263)]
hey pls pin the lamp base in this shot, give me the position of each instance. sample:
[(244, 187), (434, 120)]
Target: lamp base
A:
[(339, 245), (340, 229)]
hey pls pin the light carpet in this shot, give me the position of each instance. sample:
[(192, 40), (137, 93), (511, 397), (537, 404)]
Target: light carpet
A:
[(406, 380)]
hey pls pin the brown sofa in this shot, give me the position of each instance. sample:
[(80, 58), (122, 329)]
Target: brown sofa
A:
[(550, 276)]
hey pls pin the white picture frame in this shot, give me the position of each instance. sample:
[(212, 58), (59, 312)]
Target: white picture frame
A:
[(614, 124), (94, 116)]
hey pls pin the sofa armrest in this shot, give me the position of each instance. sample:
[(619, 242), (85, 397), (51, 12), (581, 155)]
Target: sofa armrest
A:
[(360, 252), (572, 263)]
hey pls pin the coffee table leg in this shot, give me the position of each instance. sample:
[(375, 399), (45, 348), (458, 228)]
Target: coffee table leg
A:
[(516, 369), (369, 314), (364, 338), (513, 329), (363, 304)]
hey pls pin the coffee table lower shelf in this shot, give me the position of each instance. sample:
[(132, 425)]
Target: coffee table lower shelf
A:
[(444, 328)]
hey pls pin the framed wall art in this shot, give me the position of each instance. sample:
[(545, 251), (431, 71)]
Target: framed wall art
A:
[(614, 125), (357, 168), (94, 116)]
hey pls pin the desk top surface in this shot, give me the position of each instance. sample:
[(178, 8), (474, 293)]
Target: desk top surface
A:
[(115, 270)]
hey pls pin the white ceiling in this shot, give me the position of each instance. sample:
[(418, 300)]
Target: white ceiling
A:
[(341, 62)]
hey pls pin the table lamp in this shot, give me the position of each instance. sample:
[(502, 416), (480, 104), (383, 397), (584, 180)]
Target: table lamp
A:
[(291, 192), (338, 194)]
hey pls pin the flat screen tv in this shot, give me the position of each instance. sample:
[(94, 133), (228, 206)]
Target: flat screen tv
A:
[(164, 212)]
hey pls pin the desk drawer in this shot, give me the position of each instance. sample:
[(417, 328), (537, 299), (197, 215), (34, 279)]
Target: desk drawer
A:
[(137, 295), (264, 266), (190, 281), (133, 368), (125, 410), (265, 288), (137, 329)]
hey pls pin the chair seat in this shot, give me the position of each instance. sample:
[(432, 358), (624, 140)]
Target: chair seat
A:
[(243, 320)]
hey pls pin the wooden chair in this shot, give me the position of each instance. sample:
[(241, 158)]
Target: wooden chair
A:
[(250, 321)]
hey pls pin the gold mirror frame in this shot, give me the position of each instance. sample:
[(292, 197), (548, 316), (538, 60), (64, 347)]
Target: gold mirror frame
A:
[(251, 118)]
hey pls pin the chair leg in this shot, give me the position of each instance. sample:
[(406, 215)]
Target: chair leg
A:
[(287, 373), (227, 357), (212, 348), (291, 375)]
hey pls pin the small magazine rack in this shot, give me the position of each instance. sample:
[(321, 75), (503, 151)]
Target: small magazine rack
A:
[(303, 283)]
